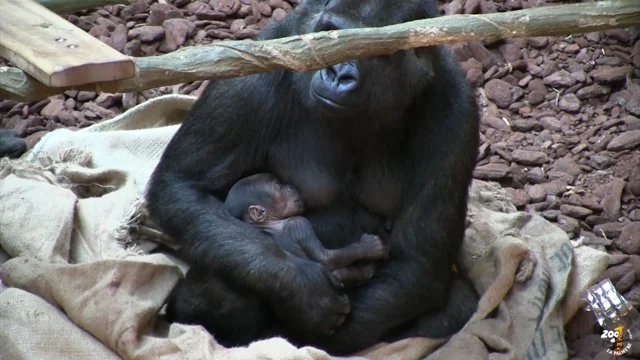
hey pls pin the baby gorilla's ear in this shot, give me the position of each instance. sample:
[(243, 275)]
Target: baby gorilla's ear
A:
[(258, 213)]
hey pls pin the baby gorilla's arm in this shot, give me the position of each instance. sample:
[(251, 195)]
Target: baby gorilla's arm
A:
[(370, 247), (297, 232), (300, 231)]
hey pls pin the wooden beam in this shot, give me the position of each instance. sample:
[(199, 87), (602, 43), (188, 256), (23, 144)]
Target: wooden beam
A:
[(69, 6), (226, 59), (54, 51)]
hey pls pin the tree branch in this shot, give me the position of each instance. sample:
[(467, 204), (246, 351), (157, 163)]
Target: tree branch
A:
[(227, 59)]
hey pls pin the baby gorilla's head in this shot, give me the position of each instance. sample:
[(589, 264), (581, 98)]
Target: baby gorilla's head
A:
[(262, 197)]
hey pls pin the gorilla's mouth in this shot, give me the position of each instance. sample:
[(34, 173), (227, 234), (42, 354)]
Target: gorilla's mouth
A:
[(328, 102)]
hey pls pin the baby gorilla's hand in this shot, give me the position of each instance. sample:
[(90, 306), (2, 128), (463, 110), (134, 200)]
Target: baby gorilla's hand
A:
[(373, 247)]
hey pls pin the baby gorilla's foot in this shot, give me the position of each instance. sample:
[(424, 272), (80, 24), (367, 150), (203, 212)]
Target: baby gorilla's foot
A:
[(373, 247)]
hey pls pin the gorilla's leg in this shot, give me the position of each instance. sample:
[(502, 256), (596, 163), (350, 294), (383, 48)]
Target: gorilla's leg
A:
[(461, 304), (233, 317)]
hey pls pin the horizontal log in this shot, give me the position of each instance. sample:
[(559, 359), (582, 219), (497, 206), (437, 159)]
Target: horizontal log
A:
[(69, 6), (226, 59)]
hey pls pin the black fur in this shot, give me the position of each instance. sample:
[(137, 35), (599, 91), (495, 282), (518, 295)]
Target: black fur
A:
[(401, 148), (11, 145)]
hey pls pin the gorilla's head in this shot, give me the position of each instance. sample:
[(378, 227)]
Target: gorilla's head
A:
[(375, 87)]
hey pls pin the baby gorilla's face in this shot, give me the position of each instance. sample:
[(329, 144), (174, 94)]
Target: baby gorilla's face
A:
[(288, 201)]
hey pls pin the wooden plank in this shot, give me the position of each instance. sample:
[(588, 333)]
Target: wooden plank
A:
[(54, 51)]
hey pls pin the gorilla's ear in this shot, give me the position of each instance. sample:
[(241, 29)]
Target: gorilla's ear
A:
[(424, 9), (431, 8), (257, 213), (426, 56)]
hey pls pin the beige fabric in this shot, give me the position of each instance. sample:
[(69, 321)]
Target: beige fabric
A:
[(81, 286)]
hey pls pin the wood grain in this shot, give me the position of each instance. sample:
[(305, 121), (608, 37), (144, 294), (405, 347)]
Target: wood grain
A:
[(54, 51)]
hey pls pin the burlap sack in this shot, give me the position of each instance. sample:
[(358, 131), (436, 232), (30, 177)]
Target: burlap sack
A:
[(65, 213)]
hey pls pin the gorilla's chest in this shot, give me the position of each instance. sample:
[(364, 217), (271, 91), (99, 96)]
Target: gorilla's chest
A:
[(325, 179), (378, 188)]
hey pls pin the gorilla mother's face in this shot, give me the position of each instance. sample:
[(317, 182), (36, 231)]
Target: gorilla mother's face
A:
[(377, 87)]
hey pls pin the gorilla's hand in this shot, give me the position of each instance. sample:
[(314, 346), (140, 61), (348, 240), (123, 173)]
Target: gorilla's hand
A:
[(312, 304)]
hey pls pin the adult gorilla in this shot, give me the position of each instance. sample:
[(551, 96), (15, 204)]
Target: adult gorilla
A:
[(392, 139)]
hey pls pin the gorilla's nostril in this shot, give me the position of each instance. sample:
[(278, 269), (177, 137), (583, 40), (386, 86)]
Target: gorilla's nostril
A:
[(347, 83), (327, 25), (329, 75), (347, 79), (329, 21)]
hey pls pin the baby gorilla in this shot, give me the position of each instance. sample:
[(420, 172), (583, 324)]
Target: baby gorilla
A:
[(263, 201)]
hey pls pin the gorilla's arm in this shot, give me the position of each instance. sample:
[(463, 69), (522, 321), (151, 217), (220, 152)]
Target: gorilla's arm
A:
[(205, 157), (224, 139), (398, 292), (416, 282)]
